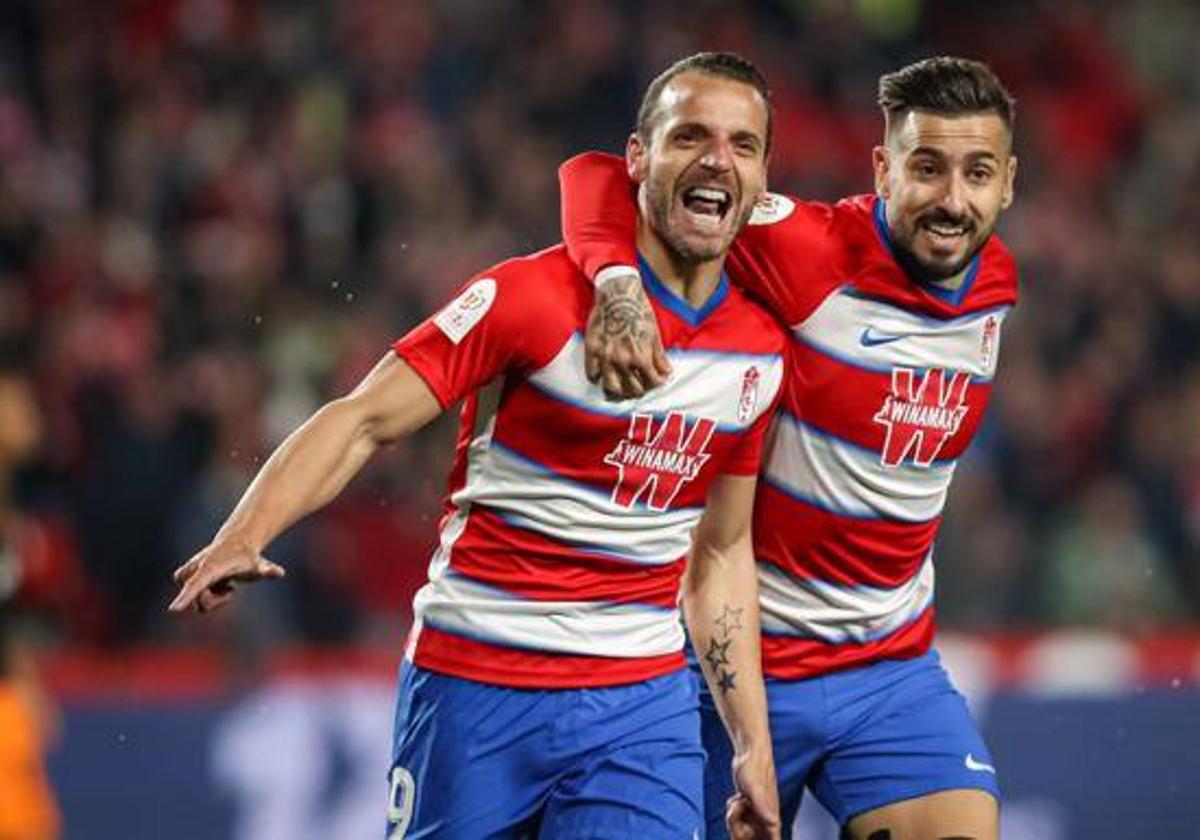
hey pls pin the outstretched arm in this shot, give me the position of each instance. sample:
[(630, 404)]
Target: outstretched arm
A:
[(307, 471), (720, 601), (623, 349)]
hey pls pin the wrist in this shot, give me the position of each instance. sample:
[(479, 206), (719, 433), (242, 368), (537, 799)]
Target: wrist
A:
[(747, 745), (611, 273), (239, 540)]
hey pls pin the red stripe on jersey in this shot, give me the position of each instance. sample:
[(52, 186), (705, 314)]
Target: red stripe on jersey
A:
[(469, 659), (790, 658), (810, 543), (844, 400), (530, 565)]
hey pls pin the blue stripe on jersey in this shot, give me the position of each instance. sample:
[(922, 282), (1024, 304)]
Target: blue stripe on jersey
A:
[(590, 489), (834, 584), (786, 415), (504, 594), (844, 514), (732, 355), (813, 503), (603, 410), (850, 290), (954, 297), (857, 638), (669, 300), (868, 367)]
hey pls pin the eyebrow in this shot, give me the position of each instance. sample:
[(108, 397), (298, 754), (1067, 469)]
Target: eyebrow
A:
[(973, 157)]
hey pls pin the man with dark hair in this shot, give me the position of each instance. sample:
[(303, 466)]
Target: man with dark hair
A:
[(722, 65), (544, 690), (895, 302)]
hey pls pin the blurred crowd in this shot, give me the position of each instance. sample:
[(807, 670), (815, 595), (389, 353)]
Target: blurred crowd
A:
[(215, 214)]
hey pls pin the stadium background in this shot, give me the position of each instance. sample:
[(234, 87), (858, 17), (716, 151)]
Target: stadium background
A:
[(215, 214)]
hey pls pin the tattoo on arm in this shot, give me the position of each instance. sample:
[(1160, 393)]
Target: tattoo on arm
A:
[(622, 311), (727, 623), (718, 653)]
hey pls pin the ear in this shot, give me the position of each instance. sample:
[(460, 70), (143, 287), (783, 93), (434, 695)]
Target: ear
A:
[(636, 158), (1006, 198), (881, 162)]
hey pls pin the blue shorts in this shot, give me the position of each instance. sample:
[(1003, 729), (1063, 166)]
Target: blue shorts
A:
[(859, 740), (473, 761)]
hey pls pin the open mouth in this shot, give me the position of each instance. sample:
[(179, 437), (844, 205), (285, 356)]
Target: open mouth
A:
[(947, 233), (707, 206)]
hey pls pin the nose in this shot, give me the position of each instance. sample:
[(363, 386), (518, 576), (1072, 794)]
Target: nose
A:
[(718, 155), (954, 197)]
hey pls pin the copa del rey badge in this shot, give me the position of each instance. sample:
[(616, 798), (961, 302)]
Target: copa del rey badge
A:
[(463, 313), (748, 401)]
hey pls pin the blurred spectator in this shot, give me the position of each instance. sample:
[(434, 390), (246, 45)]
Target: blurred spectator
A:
[(27, 559)]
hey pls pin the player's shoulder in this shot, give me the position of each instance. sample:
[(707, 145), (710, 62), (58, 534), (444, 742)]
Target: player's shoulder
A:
[(996, 279), (538, 284), (532, 300), (548, 272), (999, 260), (751, 325)]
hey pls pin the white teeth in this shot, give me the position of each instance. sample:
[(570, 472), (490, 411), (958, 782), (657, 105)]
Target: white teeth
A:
[(706, 194), (942, 230)]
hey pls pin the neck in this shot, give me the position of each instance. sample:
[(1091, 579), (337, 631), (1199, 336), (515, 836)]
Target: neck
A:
[(693, 282)]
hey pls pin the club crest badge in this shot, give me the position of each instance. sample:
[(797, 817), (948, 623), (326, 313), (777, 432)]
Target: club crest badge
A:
[(987, 344), (748, 401)]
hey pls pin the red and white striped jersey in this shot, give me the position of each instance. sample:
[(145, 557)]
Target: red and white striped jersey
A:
[(888, 381), (569, 517)]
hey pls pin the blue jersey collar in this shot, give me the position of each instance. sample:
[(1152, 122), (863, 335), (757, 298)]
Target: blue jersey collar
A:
[(669, 300)]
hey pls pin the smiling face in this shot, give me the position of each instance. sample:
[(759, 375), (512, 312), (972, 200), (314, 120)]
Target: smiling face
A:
[(704, 164), (945, 180)]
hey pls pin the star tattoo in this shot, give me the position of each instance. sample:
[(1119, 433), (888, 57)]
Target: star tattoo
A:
[(726, 681), (730, 620), (718, 653)]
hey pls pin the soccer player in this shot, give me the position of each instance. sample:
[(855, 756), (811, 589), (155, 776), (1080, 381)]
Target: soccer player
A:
[(895, 303), (544, 691)]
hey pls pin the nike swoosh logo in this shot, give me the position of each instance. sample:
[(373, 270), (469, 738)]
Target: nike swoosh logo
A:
[(972, 764), (866, 339)]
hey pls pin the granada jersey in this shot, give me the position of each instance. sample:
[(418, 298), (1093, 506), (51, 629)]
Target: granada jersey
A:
[(888, 382), (569, 517)]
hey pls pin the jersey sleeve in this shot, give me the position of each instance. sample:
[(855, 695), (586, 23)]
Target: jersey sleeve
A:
[(599, 214), (746, 456), (476, 336), (789, 256)]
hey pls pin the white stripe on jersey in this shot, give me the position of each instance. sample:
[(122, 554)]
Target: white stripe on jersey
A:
[(532, 496), (849, 480), (879, 336), (587, 628), (708, 382), (837, 614)]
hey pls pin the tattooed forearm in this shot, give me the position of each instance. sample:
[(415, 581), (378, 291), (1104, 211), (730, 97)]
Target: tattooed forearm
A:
[(729, 620), (718, 653), (717, 656), (622, 311)]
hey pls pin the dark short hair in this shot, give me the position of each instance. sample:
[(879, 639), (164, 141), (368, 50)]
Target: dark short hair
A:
[(725, 65), (947, 86)]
